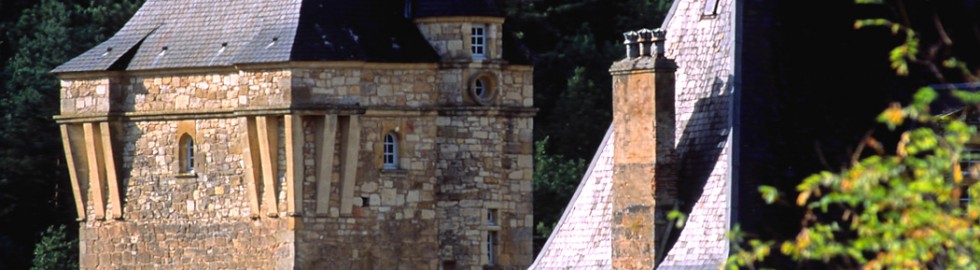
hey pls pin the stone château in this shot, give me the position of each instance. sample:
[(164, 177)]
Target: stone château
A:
[(314, 134)]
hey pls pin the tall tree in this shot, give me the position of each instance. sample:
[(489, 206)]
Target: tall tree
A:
[(33, 183)]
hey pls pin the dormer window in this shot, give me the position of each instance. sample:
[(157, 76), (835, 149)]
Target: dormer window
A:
[(186, 154), (391, 151), (478, 42)]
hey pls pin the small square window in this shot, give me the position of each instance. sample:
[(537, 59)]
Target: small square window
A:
[(492, 218), (478, 42)]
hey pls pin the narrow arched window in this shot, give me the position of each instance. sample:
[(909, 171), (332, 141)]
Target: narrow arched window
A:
[(391, 151), (186, 154)]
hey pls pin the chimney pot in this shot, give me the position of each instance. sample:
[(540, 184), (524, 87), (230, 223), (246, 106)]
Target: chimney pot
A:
[(646, 40), (659, 37), (632, 47)]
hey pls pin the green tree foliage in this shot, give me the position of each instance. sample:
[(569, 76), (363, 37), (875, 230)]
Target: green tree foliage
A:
[(911, 207), (56, 250), (573, 43), (33, 183), (552, 187)]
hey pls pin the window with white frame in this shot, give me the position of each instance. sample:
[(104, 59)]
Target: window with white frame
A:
[(186, 154), (391, 151), (478, 42), (491, 247), (493, 229)]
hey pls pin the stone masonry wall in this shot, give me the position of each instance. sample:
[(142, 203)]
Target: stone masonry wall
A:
[(182, 222), (474, 178), (453, 167), (392, 225), (451, 37)]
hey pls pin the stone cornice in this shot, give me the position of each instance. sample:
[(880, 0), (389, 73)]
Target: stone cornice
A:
[(300, 110)]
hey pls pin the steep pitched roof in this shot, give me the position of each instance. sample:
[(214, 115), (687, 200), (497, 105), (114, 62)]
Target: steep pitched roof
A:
[(580, 240), (206, 33), (702, 48), (431, 8)]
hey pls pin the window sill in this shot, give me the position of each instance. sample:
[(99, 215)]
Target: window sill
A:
[(394, 171), (187, 175)]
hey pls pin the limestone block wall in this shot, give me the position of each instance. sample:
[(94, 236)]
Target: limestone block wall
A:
[(450, 36), (84, 96), (179, 221), (517, 84), (222, 90), (457, 161), (392, 224), (478, 173), (408, 85)]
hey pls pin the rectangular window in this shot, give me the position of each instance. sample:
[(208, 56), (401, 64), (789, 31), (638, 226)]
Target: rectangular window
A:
[(493, 228), (710, 8), (492, 217), (478, 42), (491, 248)]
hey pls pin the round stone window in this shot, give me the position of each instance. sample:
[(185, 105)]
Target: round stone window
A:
[(482, 89)]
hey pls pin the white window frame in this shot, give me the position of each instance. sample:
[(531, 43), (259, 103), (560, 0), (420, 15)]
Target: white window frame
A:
[(187, 159), (390, 149), (478, 42), (493, 233)]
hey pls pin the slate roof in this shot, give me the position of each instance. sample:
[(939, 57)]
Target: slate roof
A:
[(207, 33), (702, 48), (431, 8), (580, 240)]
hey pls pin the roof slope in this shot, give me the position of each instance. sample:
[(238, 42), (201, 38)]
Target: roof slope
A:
[(702, 48), (580, 240), (207, 33)]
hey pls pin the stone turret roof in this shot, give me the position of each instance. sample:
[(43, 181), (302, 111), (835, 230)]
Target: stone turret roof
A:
[(208, 33)]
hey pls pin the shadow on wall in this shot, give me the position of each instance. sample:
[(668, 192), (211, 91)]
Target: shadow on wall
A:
[(698, 151)]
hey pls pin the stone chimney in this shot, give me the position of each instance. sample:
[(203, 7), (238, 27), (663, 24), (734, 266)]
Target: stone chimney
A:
[(643, 119)]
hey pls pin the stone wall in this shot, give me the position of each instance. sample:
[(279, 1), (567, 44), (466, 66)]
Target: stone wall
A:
[(429, 211), (450, 36), (479, 172)]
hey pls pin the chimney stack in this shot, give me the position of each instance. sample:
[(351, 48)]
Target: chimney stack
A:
[(643, 122)]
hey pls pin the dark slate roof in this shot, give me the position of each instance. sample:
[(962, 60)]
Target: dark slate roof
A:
[(433, 8), (206, 33)]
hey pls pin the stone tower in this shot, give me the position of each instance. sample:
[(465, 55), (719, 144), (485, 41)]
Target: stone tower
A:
[(314, 134)]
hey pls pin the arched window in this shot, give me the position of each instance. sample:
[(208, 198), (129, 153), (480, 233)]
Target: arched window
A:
[(391, 151), (186, 154)]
